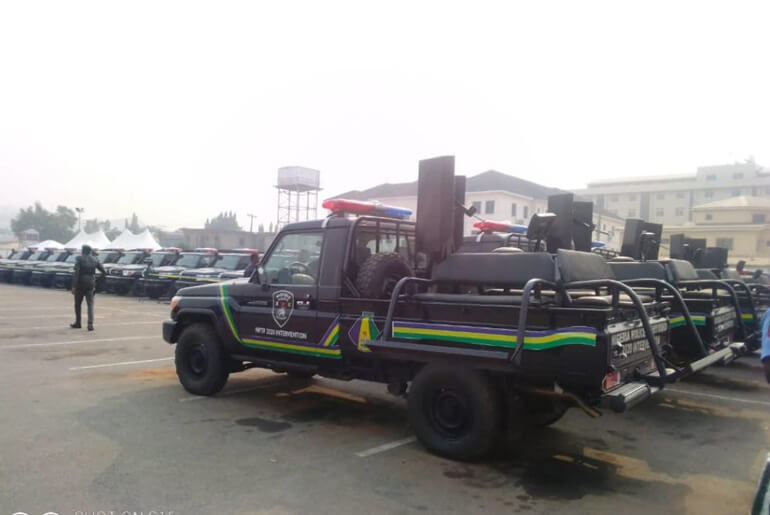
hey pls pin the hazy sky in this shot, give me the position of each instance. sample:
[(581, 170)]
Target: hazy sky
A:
[(178, 110)]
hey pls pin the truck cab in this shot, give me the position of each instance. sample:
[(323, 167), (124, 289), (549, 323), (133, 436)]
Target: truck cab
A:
[(159, 281)]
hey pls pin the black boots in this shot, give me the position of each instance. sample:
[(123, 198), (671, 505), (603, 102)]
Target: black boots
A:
[(90, 327), (75, 326)]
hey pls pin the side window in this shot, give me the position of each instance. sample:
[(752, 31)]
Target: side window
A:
[(294, 260), (367, 244)]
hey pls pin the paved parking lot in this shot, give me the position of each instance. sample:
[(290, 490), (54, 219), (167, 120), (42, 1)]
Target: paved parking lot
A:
[(98, 421)]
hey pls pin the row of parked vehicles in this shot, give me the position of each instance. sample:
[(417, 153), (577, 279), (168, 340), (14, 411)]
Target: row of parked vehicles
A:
[(140, 272), (486, 334)]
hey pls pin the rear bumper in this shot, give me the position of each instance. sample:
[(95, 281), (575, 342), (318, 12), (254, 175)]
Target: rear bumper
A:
[(627, 396), (169, 329)]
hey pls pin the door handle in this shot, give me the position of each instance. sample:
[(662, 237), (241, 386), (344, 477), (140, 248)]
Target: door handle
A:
[(303, 303), (258, 303)]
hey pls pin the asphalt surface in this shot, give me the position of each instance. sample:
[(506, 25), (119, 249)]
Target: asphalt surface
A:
[(98, 422)]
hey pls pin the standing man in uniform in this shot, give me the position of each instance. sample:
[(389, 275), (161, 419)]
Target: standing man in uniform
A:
[(84, 283)]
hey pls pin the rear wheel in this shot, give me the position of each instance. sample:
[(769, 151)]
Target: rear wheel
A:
[(201, 364), (455, 412)]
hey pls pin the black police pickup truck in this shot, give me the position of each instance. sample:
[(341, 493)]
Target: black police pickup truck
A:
[(485, 343), (160, 281), (122, 277)]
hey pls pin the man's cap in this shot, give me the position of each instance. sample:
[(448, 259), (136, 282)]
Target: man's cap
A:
[(87, 249)]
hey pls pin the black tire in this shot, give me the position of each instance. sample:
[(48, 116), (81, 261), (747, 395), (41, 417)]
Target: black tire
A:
[(380, 273), (455, 412), (201, 364)]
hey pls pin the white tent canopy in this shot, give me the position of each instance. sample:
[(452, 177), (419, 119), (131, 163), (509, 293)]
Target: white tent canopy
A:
[(129, 240), (97, 240), (48, 244)]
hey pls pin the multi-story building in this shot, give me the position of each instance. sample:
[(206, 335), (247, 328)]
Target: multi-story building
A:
[(739, 224), (496, 196), (670, 199)]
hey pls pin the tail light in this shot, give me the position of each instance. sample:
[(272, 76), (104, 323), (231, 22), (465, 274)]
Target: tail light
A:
[(611, 380)]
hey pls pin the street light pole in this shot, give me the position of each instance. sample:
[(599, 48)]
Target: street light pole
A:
[(251, 222), (80, 212)]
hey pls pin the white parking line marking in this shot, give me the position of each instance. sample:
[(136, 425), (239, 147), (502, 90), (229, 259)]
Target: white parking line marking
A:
[(386, 447), (227, 393), (711, 395), (32, 308), (148, 322), (83, 340), (120, 364)]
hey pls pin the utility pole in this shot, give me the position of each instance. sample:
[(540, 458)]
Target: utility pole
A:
[(80, 212), (251, 222)]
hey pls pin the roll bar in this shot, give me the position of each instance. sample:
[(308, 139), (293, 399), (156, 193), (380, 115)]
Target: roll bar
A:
[(720, 285), (535, 284), (660, 285)]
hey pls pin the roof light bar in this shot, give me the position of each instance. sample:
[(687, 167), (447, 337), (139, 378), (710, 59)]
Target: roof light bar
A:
[(492, 226), (339, 205)]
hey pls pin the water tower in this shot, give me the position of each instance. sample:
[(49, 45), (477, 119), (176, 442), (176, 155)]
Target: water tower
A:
[(298, 189)]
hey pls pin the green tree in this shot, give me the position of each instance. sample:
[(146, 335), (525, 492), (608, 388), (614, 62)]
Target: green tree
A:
[(57, 225), (225, 221), (134, 225)]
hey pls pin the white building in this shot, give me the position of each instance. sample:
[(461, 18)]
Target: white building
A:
[(496, 196), (670, 199)]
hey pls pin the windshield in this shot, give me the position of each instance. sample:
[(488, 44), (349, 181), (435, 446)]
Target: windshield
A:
[(108, 257), (71, 258), (55, 256), (163, 258), (196, 260), (129, 258), (36, 256), (233, 262)]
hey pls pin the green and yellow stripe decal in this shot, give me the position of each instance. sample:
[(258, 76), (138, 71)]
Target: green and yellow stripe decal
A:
[(326, 349), (677, 319), (473, 335), (747, 317)]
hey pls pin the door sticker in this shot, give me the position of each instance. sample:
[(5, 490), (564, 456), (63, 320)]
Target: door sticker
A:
[(283, 307), (363, 331)]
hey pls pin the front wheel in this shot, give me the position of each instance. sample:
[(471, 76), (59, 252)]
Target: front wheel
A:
[(455, 412), (200, 362)]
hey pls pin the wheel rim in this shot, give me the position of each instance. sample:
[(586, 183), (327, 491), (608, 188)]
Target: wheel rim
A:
[(450, 413), (198, 360)]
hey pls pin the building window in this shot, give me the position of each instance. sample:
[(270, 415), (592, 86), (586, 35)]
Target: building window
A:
[(632, 196), (708, 193), (758, 219), (513, 209), (708, 216), (526, 211), (680, 211), (660, 196), (631, 213), (711, 177), (489, 207), (680, 194), (477, 206), (736, 193), (659, 212), (725, 243), (738, 175), (613, 198)]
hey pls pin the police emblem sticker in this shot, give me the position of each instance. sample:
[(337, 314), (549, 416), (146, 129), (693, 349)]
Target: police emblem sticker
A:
[(283, 307)]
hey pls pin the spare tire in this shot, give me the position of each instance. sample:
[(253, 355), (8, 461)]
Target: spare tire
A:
[(380, 273)]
